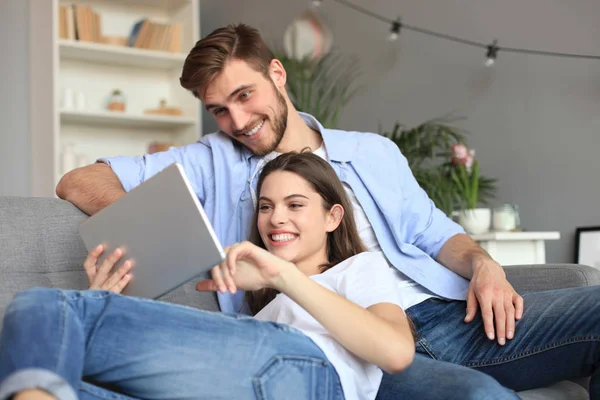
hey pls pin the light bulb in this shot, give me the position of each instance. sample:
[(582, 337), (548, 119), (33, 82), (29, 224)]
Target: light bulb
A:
[(492, 53), (395, 30), (317, 3)]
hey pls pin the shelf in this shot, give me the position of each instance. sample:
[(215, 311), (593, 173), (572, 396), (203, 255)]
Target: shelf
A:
[(114, 119), (512, 236), (120, 55)]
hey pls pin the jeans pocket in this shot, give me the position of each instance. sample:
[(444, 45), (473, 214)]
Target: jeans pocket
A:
[(295, 378)]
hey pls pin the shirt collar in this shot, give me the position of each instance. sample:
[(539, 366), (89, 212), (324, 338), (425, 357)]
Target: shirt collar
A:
[(340, 147)]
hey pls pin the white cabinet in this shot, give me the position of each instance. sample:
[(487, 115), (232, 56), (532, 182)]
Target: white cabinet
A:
[(516, 248), (92, 70)]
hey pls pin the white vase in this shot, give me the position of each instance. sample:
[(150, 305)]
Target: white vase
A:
[(475, 221)]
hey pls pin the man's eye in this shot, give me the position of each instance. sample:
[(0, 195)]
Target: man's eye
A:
[(245, 95)]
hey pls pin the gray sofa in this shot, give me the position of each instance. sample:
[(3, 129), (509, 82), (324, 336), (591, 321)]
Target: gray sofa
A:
[(40, 246)]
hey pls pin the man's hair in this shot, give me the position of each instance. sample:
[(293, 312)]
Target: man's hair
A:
[(210, 55), (343, 243)]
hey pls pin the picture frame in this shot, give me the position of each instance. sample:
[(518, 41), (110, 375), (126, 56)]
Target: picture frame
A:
[(587, 246)]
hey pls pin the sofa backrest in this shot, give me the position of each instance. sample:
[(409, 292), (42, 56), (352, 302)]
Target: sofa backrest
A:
[(40, 246)]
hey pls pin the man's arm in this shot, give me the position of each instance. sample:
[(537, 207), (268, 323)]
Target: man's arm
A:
[(459, 253), (489, 290), (90, 188)]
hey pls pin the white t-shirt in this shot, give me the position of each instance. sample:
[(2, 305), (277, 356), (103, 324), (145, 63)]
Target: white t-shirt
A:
[(365, 279)]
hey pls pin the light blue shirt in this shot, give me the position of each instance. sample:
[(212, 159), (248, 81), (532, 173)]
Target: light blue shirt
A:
[(408, 226)]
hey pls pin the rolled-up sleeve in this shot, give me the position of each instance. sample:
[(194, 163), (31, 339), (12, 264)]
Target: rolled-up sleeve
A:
[(426, 226), (132, 171)]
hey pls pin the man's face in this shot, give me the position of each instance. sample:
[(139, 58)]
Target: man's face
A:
[(248, 107)]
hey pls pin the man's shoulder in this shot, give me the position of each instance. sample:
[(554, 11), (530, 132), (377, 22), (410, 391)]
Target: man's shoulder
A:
[(361, 138), (357, 144)]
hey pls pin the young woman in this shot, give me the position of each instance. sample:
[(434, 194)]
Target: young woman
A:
[(327, 319)]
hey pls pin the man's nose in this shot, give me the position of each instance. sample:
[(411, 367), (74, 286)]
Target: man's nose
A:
[(239, 119)]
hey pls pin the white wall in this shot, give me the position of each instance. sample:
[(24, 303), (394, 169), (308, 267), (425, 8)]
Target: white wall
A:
[(534, 121), (14, 100)]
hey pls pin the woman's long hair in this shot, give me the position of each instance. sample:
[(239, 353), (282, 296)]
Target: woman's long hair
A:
[(343, 243)]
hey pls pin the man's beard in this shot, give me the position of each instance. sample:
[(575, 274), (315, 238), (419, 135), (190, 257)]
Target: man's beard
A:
[(278, 124)]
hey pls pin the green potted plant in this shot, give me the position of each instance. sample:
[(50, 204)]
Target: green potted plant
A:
[(429, 149), (472, 190)]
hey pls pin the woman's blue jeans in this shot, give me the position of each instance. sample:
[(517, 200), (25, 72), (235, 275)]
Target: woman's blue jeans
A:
[(127, 347)]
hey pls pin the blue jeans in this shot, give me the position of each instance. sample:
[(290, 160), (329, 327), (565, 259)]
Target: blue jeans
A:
[(557, 338), (127, 347)]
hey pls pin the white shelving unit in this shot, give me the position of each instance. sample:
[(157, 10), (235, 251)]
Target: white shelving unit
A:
[(92, 71)]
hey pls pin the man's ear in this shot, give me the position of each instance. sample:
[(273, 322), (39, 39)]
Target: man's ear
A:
[(277, 73), (334, 217)]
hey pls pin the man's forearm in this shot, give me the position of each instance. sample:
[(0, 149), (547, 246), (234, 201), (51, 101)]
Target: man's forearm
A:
[(90, 188), (462, 254)]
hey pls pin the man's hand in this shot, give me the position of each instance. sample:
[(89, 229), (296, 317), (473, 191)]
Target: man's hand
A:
[(500, 304)]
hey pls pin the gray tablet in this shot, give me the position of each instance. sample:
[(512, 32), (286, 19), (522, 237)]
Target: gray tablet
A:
[(163, 228)]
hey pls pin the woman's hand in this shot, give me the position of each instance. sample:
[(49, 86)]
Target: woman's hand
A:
[(103, 277), (246, 267)]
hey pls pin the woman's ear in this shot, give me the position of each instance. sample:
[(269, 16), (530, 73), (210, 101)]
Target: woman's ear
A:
[(334, 217)]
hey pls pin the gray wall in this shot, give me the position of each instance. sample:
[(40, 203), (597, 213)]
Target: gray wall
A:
[(534, 121), (14, 100)]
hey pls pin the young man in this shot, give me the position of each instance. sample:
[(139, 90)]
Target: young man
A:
[(446, 277)]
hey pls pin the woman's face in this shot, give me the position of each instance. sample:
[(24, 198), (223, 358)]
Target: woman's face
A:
[(293, 222)]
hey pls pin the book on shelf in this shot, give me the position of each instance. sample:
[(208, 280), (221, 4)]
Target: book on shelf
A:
[(78, 22), (146, 34)]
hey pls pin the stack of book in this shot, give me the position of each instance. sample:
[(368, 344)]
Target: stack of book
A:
[(156, 36), (77, 22)]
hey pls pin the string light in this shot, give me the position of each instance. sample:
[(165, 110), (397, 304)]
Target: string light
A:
[(395, 30), (492, 50), (492, 53), (317, 3)]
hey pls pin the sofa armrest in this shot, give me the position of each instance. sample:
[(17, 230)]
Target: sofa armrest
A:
[(537, 278)]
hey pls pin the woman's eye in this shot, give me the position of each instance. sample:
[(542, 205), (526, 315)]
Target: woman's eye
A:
[(264, 207), (295, 205)]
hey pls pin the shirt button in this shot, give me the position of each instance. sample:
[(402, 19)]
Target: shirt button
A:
[(343, 162)]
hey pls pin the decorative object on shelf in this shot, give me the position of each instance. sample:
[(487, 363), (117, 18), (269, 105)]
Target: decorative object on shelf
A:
[(163, 109), (505, 218), (475, 220), (67, 100), (307, 37), (428, 148), (465, 175), (79, 101), (116, 102), (157, 147), (587, 246)]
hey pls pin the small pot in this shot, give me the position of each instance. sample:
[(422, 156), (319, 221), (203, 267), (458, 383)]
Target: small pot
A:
[(475, 221)]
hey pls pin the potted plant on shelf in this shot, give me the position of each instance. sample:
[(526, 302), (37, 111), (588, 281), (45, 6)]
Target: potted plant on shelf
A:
[(472, 190)]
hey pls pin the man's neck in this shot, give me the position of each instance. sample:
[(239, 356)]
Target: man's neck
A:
[(298, 135)]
